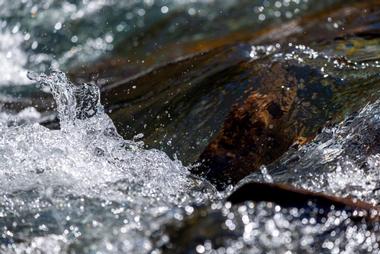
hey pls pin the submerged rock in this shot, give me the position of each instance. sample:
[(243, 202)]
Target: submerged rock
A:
[(180, 106)]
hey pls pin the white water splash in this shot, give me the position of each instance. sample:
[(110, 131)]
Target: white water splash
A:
[(87, 155), (266, 176), (88, 159), (28, 115)]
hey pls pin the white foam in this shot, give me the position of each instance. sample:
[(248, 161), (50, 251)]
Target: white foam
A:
[(88, 160)]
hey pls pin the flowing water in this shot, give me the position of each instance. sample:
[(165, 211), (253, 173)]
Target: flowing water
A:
[(269, 228), (85, 181), (36, 35), (82, 188)]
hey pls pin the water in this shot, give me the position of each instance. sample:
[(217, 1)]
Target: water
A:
[(269, 228), (85, 182), (84, 189), (37, 35), (13, 59)]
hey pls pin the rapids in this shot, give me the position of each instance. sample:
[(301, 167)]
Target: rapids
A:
[(59, 176), (70, 182)]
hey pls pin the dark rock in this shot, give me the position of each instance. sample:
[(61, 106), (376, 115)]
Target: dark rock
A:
[(289, 196), (179, 106), (295, 98), (290, 106), (342, 160)]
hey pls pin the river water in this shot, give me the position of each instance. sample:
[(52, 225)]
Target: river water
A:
[(85, 189)]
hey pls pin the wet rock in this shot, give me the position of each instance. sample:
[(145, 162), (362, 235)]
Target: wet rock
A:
[(253, 128), (289, 196), (290, 106), (343, 160), (179, 106), (296, 98)]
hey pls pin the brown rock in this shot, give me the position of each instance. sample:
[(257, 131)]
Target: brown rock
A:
[(293, 102), (282, 111)]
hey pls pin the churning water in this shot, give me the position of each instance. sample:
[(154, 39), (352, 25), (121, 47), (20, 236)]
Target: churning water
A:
[(85, 189), (85, 181)]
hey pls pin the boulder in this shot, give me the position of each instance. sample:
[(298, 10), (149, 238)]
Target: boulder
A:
[(296, 93)]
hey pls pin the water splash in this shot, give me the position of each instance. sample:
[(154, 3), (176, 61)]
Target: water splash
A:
[(86, 166), (73, 102), (266, 176)]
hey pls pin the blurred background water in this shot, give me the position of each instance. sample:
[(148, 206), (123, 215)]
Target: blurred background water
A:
[(63, 35)]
